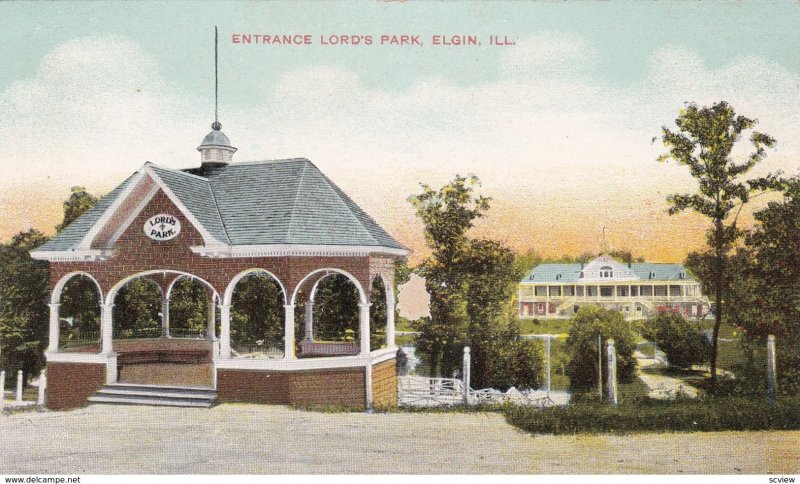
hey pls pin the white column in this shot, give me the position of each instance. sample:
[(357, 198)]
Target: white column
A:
[(309, 322), (390, 323), (772, 386), (55, 328), (363, 327), (225, 332), (165, 316), (19, 386), (288, 332), (107, 328), (212, 319), (612, 373), (42, 387), (466, 373), (2, 388)]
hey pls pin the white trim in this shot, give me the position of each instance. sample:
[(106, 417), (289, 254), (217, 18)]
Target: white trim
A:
[(72, 255), (59, 287), (112, 293), (135, 213), (362, 295), (359, 361), (61, 357), (282, 250), (228, 294), (208, 239), (86, 241)]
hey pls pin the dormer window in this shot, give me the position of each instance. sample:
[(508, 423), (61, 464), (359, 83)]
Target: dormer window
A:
[(581, 275), (606, 271)]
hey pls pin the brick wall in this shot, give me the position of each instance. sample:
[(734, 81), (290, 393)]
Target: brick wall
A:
[(344, 386), (384, 384), (69, 385)]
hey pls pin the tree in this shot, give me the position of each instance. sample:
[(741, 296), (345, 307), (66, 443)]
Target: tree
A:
[(683, 341), (77, 203), (765, 288), (471, 283), (703, 142), (447, 214), (23, 313), (589, 323)]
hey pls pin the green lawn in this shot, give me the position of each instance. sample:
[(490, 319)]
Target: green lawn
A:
[(543, 326)]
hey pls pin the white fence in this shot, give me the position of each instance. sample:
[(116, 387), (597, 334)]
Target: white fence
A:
[(419, 391), (18, 401)]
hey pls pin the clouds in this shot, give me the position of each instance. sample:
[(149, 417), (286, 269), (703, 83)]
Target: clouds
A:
[(562, 150)]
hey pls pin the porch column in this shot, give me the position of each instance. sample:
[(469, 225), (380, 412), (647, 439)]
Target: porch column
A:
[(390, 323), (309, 323), (225, 332), (165, 317), (212, 320), (288, 334), (363, 327), (107, 328), (55, 328)]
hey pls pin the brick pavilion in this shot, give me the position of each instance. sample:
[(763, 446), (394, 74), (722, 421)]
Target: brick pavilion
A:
[(216, 224)]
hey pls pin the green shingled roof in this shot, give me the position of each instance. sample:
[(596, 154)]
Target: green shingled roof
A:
[(269, 202), (568, 273)]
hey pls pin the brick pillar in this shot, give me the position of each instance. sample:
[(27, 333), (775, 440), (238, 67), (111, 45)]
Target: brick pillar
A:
[(225, 332), (363, 327), (288, 334), (107, 328), (55, 328)]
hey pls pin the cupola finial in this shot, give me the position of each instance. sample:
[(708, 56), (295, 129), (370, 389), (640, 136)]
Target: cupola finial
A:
[(216, 149)]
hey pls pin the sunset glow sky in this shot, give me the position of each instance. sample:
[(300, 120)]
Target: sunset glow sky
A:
[(559, 127)]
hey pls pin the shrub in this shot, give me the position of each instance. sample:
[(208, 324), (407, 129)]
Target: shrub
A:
[(501, 360), (683, 341), (656, 416), (587, 324)]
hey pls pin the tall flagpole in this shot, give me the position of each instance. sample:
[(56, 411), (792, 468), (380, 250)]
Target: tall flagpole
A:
[(216, 77)]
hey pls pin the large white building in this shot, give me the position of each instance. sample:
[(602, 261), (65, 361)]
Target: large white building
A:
[(637, 290)]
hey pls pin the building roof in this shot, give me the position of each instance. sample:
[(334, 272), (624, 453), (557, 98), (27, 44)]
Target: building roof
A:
[(216, 138), (287, 202), (638, 271)]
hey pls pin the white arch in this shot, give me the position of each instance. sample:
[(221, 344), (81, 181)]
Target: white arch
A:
[(172, 284), (361, 294), (315, 287), (112, 293), (227, 298), (388, 288), (55, 296)]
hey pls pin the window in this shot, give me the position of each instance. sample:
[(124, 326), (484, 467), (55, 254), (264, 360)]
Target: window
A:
[(606, 271), (627, 309)]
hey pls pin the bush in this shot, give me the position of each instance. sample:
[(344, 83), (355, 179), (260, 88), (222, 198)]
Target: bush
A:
[(587, 324), (683, 341), (501, 360), (657, 416)]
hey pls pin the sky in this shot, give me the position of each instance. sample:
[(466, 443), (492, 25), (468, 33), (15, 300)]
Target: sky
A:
[(558, 125)]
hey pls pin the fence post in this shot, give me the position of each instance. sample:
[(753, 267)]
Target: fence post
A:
[(465, 373), (772, 386), (612, 372), (547, 351), (599, 367), (42, 386), (19, 386), (2, 389)]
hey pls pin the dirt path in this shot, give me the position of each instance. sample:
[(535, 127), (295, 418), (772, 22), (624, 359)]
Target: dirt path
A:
[(251, 439), (661, 387)]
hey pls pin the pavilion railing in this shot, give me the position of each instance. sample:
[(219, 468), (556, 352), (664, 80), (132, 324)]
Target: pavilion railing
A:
[(79, 339)]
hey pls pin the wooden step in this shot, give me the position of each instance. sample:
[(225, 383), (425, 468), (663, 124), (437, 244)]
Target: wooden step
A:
[(156, 395)]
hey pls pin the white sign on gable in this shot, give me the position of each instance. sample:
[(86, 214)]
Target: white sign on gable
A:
[(162, 227)]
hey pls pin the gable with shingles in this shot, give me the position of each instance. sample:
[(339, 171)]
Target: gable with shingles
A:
[(283, 202)]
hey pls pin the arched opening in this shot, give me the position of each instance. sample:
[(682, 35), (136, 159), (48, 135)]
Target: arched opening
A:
[(330, 311), (79, 315), (191, 305), (378, 314), (257, 316), (138, 310)]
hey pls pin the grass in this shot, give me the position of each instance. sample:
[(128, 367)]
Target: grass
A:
[(544, 326)]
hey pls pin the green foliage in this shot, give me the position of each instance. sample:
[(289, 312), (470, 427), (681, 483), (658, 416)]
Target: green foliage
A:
[(188, 306), (336, 312), (257, 312), (77, 203), (136, 310), (682, 340), (587, 324), (655, 416), (703, 142), (23, 310), (471, 283)]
